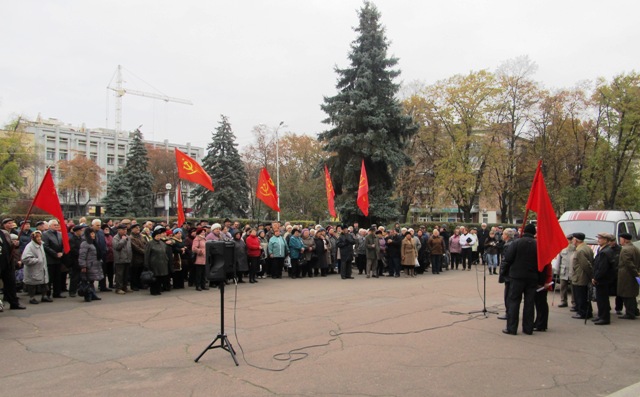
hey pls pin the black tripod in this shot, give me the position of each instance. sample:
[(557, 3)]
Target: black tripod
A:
[(224, 340), (484, 294)]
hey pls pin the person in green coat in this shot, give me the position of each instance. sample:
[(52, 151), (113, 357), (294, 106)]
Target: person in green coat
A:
[(628, 268)]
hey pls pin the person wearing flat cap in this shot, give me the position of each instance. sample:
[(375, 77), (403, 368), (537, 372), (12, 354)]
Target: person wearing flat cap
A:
[(565, 271), (122, 254), (582, 275), (521, 266), (628, 271), (604, 277), (138, 244), (72, 258), (6, 265)]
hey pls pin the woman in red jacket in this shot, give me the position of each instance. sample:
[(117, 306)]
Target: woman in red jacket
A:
[(253, 252)]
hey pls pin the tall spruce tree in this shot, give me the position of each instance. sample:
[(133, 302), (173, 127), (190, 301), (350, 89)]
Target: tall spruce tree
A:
[(367, 123), (223, 164), (138, 179), (118, 198)]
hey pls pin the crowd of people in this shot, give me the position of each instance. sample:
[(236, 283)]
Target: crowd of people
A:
[(117, 255)]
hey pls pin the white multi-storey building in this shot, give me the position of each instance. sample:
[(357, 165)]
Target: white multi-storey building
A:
[(55, 141)]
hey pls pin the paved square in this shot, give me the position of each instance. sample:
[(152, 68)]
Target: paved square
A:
[(371, 337)]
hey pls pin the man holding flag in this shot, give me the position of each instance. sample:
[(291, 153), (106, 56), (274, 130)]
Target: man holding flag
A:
[(527, 258)]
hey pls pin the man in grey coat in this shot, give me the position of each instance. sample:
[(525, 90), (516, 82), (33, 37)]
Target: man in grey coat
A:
[(122, 258)]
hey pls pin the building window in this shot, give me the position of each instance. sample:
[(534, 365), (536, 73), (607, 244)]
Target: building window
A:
[(485, 217), (51, 154), (110, 145), (110, 176), (63, 155), (111, 159), (121, 160), (51, 139), (93, 157), (121, 147), (63, 141)]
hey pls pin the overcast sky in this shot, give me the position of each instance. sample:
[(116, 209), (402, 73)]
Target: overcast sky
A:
[(262, 62)]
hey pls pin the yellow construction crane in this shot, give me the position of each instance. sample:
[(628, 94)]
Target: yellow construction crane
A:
[(120, 91)]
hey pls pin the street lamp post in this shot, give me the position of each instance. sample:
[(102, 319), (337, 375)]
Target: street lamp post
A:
[(166, 201), (278, 167)]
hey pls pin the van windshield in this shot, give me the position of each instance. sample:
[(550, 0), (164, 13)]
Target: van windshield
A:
[(589, 228)]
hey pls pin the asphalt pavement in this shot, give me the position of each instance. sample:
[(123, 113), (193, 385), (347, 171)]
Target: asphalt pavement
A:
[(313, 337)]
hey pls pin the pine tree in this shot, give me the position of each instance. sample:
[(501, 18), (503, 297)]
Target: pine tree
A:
[(368, 123), (138, 179), (223, 164), (118, 198)]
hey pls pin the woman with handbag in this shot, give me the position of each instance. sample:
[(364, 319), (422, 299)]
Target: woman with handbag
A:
[(90, 266)]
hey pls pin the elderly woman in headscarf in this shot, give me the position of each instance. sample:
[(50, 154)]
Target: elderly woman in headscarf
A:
[(157, 260), (36, 275)]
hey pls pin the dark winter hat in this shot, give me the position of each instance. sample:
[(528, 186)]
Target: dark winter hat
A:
[(40, 223), (158, 230), (530, 228), (7, 220), (135, 225), (579, 236), (626, 236), (79, 227), (23, 222), (122, 226)]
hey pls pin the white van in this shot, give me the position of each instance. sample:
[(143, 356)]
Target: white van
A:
[(593, 222)]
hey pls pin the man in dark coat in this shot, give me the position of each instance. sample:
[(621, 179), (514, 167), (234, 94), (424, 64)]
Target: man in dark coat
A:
[(6, 269), (483, 235), (394, 243), (101, 246), (52, 243), (71, 259), (604, 274), (521, 266), (628, 270), (345, 245)]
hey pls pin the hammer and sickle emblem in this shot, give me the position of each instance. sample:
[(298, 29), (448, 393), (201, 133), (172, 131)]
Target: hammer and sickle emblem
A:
[(188, 166), (362, 182), (264, 189)]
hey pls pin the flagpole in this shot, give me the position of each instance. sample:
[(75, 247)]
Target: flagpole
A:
[(535, 176)]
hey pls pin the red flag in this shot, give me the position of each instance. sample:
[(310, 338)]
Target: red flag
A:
[(47, 200), (551, 238), (330, 192), (267, 191), (363, 191), (190, 170), (181, 217)]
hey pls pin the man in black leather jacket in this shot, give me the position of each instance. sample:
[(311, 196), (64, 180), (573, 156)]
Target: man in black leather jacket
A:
[(521, 266)]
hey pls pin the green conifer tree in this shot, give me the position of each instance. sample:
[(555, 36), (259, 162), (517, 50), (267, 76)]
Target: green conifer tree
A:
[(223, 164), (367, 123), (118, 198), (138, 179)]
